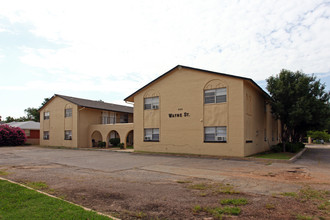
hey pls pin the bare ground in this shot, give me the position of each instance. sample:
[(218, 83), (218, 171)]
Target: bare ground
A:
[(143, 194)]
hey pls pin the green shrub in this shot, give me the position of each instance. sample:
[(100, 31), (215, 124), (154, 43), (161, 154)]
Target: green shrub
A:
[(121, 145), (115, 141), (294, 147), (101, 144), (277, 148), (289, 147), (11, 136)]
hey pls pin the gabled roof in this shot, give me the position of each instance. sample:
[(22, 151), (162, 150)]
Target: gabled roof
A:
[(31, 125), (191, 68), (94, 104)]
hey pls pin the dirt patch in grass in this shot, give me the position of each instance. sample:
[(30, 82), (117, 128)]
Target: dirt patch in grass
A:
[(3, 173), (184, 198)]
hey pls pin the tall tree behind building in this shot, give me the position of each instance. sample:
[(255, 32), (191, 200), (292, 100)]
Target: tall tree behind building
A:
[(300, 102)]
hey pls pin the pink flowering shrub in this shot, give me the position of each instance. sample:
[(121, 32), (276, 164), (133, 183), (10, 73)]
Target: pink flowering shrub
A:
[(11, 136)]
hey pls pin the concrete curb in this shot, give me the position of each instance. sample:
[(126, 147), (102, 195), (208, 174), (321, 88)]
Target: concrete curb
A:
[(298, 155), (88, 149), (265, 160), (87, 209)]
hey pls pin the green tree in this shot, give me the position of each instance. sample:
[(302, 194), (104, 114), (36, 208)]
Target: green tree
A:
[(32, 114), (319, 135), (45, 101), (300, 102), (9, 119)]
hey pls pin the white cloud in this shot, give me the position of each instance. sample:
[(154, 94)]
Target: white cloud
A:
[(107, 40)]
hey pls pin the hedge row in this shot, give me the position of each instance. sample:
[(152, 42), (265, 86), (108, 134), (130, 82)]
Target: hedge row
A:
[(11, 136)]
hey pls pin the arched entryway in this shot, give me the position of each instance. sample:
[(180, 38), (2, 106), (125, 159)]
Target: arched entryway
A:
[(113, 139), (130, 139), (96, 138)]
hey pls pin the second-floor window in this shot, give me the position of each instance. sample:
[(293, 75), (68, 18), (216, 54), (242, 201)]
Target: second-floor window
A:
[(151, 103), (112, 118), (123, 118), (46, 115), (215, 95), (68, 112)]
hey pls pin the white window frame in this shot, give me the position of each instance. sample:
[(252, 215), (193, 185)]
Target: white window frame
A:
[(46, 115), (27, 132), (68, 135), (112, 118), (46, 135), (215, 95), (151, 103), (151, 134), (104, 118), (215, 134), (68, 112)]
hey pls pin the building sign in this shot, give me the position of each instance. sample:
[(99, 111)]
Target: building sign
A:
[(179, 115)]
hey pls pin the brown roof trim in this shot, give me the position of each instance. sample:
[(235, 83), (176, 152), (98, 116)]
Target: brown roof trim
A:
[(87, 103), (207, 71)]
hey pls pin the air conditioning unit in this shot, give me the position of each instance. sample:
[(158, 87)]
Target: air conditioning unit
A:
[(147, 138), (155, 106), (219, 138)]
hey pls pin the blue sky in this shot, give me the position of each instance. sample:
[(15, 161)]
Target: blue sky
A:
[(108, 49)]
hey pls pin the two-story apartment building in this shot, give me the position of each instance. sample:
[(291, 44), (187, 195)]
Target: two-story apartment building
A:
[(75, 122), (194, 111), (185, 110)]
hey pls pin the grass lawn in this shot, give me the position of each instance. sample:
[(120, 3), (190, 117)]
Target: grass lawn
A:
[(271, 155), (17, 202)]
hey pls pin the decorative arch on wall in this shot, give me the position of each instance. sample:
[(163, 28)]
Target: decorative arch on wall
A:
[(215, 84), (96, 137), (151, 93), (68, 106), (130, 138)]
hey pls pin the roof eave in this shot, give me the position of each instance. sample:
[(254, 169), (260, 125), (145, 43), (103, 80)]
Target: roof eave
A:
[(130, 98)]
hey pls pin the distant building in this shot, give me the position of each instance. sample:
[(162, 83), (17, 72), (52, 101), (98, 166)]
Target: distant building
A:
[(31, 129), (75, 122)]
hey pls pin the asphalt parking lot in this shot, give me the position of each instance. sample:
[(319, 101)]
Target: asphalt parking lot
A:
[(108, 181), (313, 163), (316, 155)]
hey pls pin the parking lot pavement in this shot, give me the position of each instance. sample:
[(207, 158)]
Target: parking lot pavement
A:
[(248, 176), (316, 155)]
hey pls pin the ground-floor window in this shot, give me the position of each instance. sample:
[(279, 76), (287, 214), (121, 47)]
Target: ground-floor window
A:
[(68, 135), (27, 133), (151, 134), (46, 135), (215, 134)]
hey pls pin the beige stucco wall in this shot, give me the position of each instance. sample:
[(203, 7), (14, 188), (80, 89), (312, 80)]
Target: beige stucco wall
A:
[(79, 123), (88, 117), (182, 91), (57, 123), (102, 132), (257, 120)]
